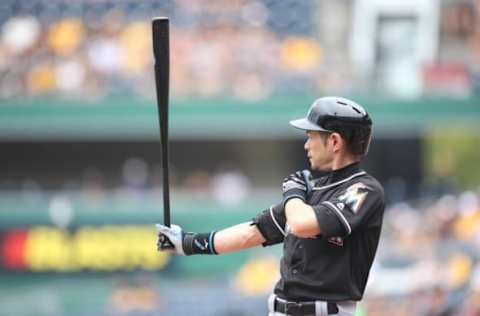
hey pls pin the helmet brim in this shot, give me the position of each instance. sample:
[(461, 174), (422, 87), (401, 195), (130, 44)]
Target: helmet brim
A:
[(306, 125)]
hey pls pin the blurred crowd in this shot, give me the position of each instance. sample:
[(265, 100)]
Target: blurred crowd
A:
[(102, 48), (248, 49), (138, 184)]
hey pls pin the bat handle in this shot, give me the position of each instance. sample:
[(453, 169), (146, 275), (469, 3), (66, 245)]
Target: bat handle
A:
[(166, 202)]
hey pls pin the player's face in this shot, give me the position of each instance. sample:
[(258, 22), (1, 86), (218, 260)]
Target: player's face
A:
[(319, 150)]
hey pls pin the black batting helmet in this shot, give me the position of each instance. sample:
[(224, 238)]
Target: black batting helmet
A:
[(339, 115)]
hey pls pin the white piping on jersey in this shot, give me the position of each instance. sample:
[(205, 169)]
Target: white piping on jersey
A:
[(276, 223), (340, 182), (340, 215)]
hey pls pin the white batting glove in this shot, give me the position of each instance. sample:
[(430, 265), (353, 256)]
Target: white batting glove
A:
[(170, 239)]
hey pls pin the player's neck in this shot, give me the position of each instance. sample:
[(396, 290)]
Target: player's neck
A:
[(342, 161)]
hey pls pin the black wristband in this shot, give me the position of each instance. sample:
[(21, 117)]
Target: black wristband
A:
[(199, 244)]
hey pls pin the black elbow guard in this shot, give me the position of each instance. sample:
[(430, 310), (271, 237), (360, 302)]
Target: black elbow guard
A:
[(271, 224)]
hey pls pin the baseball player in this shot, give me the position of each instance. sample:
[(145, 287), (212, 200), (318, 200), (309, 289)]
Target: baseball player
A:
[(329, 226)]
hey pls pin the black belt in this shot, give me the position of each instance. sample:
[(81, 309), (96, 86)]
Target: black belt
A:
[(301, 308)]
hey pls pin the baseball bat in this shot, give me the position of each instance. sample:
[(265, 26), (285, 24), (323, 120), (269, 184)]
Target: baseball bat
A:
[(161, 47)]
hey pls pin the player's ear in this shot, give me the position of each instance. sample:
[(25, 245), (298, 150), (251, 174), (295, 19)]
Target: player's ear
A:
[(337, 141)]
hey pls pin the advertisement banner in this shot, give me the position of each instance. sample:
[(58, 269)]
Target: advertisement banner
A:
[(105, 248)]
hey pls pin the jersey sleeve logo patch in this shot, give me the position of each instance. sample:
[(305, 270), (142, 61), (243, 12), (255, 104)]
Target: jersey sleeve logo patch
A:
[(355, 196)]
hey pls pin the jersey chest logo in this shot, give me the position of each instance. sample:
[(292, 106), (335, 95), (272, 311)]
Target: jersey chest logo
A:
[(355, 196)]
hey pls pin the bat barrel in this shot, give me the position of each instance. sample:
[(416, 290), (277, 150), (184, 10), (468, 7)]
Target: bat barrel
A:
[(160, 31)]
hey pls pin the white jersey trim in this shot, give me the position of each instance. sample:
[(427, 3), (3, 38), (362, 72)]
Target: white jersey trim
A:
[(361, 173), (276, 223), (340, 216)]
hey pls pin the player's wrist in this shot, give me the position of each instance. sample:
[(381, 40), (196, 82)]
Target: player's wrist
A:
[(199, 243)]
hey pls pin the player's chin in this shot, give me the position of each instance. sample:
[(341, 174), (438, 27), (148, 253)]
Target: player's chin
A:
[(318, 166)]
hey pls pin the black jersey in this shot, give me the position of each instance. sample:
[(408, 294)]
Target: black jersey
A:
[(333, 266)]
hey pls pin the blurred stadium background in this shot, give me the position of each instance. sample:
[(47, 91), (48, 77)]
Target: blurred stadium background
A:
[(80, 183)]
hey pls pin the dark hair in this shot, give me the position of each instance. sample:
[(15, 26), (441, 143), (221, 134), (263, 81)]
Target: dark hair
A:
[(357, 138)]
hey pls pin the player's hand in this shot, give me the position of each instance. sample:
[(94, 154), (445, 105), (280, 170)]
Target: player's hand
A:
[(170, 239), (297, 185)]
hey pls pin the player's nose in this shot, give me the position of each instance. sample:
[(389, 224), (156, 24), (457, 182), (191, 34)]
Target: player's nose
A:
[(306, 146)]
